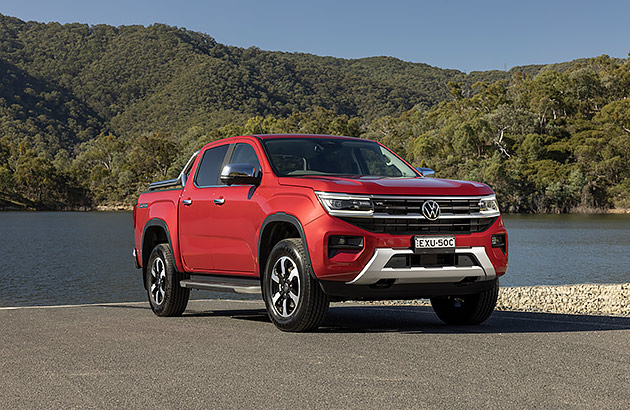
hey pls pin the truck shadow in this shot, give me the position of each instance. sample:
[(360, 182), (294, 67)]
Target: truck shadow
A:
[(253, 315), (422, 319)]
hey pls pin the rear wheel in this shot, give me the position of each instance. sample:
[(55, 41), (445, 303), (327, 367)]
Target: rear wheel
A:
[(295, 302), (466, 309), (166, 297)]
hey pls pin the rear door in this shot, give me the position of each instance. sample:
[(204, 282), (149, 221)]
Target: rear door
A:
[(196, 219)]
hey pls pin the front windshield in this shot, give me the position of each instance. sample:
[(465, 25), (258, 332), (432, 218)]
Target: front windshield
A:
[(334, 156)]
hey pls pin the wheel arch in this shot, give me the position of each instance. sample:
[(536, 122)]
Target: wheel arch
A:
[(155, 232), (275, 228)]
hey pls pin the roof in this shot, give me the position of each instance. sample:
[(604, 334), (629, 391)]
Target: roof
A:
[(273, 136)]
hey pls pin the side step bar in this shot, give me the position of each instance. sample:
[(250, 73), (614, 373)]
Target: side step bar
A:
[(249, 286)]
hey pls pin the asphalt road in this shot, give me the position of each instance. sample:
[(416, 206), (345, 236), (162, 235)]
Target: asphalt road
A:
[(226, 354)]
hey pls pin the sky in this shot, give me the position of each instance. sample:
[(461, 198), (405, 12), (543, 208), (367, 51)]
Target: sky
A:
[(464, 35)]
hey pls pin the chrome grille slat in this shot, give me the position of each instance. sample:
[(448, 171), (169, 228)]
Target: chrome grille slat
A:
[(404, 206)]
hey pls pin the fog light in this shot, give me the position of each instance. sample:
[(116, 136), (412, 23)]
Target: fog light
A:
[(498, 241), (345, 242)]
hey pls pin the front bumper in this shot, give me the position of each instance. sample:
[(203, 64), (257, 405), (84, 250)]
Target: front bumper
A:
[(368, 265)]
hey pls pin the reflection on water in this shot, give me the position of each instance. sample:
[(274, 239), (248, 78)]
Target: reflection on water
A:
[(56, 258), (565, 249), (51, 258)]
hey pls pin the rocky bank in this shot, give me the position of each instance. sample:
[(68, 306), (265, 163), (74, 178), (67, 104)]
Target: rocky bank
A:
[(583, 299)]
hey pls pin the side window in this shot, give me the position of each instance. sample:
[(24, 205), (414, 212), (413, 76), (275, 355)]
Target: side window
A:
[(189, 166), (245, 154), (210, 166)]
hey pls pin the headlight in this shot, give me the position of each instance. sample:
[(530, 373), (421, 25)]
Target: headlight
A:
[(489, 205), (346, 205)]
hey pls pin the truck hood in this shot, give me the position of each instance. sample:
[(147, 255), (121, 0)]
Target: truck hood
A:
[(389, 186)]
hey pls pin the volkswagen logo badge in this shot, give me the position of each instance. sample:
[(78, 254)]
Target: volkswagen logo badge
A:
[(431, 210)]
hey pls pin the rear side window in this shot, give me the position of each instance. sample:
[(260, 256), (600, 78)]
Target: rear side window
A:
[(245, 154), (210, 166)]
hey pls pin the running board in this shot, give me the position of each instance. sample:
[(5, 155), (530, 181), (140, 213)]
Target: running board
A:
[(223, 284)]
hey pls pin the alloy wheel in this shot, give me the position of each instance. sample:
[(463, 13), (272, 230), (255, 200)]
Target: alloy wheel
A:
[(158, 281), (285, 287)]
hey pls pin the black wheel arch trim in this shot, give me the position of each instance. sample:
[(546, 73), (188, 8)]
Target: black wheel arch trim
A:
[(284, 217), (162, 224)]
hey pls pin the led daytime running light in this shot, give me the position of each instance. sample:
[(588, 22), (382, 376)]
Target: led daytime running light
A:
[(344, 205), (488, 205)]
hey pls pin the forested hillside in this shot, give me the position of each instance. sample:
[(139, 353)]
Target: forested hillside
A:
[(90, 114)]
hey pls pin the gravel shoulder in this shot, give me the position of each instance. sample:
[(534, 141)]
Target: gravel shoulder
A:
[(583, 299), (590, 299)]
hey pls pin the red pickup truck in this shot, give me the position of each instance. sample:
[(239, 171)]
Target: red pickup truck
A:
[(309, 219)]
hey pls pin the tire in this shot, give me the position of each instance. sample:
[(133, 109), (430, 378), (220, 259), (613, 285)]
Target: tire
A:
[(295, 301), (466, 309), (166, 297)]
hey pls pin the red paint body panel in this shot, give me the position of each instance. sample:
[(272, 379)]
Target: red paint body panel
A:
[(161, 205), (207, 237), (389, 186)]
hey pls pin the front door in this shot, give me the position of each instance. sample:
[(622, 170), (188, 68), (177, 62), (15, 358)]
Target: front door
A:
[(196, 211), (237, 217)]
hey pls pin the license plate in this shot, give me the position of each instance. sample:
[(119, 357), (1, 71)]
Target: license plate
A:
[(433, 243)]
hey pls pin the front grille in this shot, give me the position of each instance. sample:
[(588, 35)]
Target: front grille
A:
[(399, 226), (406, 206)]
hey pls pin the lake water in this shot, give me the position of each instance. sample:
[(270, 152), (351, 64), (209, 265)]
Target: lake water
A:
[(53, 258)]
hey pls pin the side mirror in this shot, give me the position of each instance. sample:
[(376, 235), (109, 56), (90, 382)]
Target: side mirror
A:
[(239, 174), (426, 172)]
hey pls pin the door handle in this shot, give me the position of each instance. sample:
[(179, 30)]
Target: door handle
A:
[(219, 201), (187, 202)]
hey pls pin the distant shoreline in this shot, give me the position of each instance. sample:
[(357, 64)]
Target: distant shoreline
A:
[(98, 208), (129, 208)]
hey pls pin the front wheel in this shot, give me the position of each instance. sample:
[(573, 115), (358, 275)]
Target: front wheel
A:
[(166, 297), (466, 309), (295, 302)]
